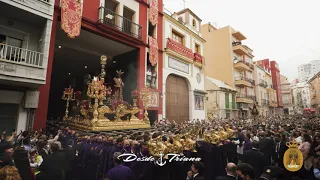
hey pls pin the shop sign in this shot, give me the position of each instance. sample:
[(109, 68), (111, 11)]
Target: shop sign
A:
[(178, 65)]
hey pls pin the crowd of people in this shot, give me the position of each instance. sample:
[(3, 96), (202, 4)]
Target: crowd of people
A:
[(255, 152)]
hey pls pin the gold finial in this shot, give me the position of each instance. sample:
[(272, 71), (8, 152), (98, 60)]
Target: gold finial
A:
[(293, 144), (103, 60)]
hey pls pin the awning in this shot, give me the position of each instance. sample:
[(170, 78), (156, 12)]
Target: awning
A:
[(220, 84)]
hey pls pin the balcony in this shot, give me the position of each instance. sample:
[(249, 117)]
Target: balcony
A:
[(241, 65), (239, 49), (285, 91), (242, 98), (180, 50), (263, 83), (244, 82), (273, 104), (265, 102), (17, 63), (43, 8), (198, 59), (270, 86), (110, 18)]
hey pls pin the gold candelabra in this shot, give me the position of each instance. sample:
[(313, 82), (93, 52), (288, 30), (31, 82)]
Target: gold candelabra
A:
[(97, 90), (145, 96), (68, 96)]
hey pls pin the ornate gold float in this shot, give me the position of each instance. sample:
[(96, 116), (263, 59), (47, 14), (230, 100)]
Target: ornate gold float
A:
[(95, 115)]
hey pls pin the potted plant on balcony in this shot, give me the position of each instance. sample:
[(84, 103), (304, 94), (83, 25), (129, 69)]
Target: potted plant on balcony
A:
[(135, 95)]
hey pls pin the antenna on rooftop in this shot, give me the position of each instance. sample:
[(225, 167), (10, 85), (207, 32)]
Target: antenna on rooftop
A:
[(184, 4)]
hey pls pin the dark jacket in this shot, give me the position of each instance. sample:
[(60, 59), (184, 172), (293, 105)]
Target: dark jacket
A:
[(256, 159), (53, 166)]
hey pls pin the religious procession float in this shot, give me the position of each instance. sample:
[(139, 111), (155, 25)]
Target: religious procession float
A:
[(103, 110)]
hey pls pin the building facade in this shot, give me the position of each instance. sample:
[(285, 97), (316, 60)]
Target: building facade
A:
[(183, 75), (25, 31), (314, 84), (306, 71), (286, 95), (122, 30), (262, 99), (301, 97), (275, 73), (221, 99), (230, 61)]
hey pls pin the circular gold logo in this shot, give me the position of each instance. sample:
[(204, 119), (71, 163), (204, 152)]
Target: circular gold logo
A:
[(293, 158)]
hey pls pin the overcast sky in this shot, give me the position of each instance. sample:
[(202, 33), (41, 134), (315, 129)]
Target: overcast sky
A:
[(287, 31)]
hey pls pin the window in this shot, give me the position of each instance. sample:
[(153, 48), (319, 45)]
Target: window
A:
[(177, 37), (194, 23), (197, 48), (227, 100)]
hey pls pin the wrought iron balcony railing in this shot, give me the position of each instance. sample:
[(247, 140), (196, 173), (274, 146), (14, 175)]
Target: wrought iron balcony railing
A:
[(236, 43), (265, 102), (245, 79), (263, 83), (120, 23), (20, 55), (246, 96)]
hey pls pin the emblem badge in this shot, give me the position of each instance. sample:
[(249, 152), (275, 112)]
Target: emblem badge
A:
[(293, 158)]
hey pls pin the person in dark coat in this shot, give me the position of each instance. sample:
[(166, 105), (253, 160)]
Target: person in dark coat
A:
[(197, 170), (231, 170), (119, 172), (280, 149), (245, 172), (142, 170), (255, 158), (53, 166), (266, 146)]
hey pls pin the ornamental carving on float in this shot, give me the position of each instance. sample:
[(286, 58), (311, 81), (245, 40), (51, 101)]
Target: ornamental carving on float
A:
[(71, 16)]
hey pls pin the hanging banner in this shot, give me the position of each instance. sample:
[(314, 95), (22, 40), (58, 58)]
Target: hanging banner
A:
[(153, 13), (153, 51), (71, 16)]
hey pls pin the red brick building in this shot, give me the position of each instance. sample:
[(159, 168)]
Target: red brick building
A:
[(119, 29), (275, 72)]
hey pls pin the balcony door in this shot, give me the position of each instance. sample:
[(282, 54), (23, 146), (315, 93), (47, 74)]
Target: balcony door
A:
[(127, 25), (8, 117), (110, 14)]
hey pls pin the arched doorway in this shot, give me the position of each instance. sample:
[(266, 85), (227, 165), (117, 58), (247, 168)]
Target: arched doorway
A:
[(177, 99)]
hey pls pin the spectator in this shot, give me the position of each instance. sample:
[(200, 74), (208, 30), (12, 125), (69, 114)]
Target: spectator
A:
[(9, 173), (231, 170), (245, 172), (197, 170), (119, 171)]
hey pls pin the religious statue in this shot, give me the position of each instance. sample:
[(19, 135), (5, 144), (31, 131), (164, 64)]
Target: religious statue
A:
[(149, 77), (119, 85), (154, 79)]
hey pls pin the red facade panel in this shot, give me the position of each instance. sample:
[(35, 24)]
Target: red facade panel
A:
[(90, 21)]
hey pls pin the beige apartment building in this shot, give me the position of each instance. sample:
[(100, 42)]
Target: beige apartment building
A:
[(286, 95), (314, 84), (230, 61)]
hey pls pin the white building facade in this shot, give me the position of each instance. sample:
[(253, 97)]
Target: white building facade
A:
[(261, 85), (183, 76), (221, 99), (301, 97), (306, 71), (25, 32)]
